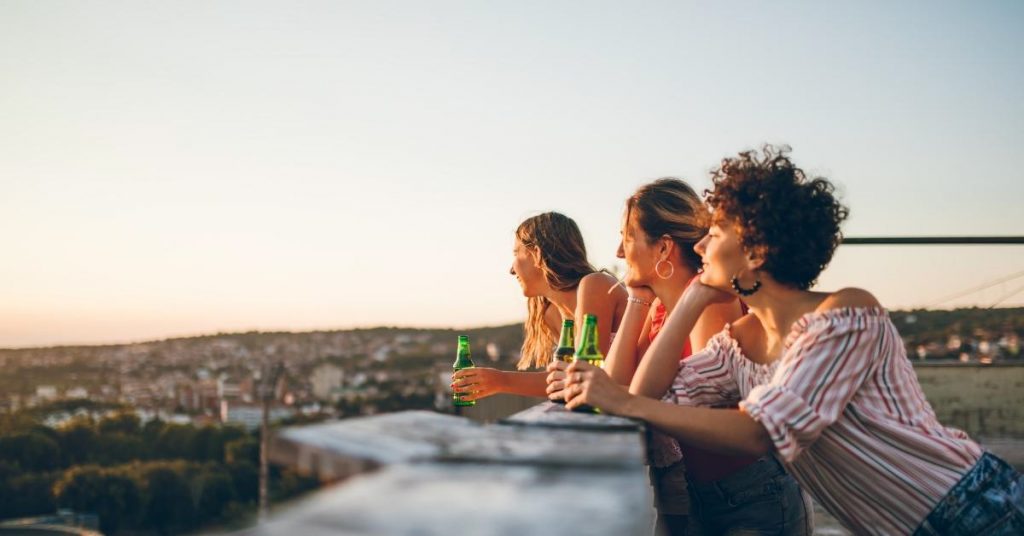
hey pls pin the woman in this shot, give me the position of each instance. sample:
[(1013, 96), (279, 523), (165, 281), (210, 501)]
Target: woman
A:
[(822, 378), (663, 222), (550, 263)]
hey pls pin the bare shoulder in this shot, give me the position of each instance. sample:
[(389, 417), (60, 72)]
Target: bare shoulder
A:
[(746, 330), (599, 284), (849, 297)]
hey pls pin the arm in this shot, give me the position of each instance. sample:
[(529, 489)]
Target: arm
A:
[(724, 430), (728, 431), (712, 321), (477, 383), (817, 377), (592, 298), (661, 362), (630, 343)]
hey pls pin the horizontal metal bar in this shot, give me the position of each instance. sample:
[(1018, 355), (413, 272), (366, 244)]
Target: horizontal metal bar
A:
[(932, 240)]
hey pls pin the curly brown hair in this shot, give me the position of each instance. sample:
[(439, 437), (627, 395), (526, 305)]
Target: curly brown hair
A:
[(792, 221)]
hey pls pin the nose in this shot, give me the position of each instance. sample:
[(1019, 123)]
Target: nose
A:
[(620, 253), (511, 270), (702, 246)]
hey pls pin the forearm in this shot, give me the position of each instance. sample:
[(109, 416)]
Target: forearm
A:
[(621, 361), (728, 431), (524, 383), (661, 361)]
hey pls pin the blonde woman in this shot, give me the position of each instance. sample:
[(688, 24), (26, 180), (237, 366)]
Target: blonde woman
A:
[(550, 263)]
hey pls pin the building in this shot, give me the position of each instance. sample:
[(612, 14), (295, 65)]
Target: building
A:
[(326, 378)]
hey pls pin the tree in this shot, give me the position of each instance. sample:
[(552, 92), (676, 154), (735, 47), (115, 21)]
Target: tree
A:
[(116, 448), (30, 451), (216, 491), (77, 442), (168, 506), (176, 441), (246, 479), (120, 423), (110, 494), (28, 495), (244, 449)]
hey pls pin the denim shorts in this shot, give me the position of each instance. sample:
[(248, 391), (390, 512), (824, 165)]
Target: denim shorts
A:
[(759, 499), (988, 500)]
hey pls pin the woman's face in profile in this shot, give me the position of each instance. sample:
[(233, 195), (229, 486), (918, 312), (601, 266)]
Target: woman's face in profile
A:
[(721, 256), (526, 269), (639, 255)]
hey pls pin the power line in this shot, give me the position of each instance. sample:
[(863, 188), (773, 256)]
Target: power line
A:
[(1006, 297), (977, 288)]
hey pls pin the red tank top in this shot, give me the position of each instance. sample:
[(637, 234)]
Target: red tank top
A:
[(702, 465)]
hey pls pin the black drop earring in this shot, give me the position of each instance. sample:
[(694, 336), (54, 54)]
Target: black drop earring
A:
[(745, 291)]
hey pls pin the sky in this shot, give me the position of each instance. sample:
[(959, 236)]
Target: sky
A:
[(181, 168)]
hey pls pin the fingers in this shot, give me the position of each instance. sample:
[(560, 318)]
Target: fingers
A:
[(574, 396), (557, 365), (554, 387), (464, 374), (475, 395), (464, 386)]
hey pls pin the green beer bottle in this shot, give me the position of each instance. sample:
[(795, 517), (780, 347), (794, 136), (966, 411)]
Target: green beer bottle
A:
[(566, 345), (590, 352), (463, 360)]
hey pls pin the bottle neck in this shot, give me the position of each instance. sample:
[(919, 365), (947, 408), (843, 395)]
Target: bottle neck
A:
[(588, 345), (566, 340)]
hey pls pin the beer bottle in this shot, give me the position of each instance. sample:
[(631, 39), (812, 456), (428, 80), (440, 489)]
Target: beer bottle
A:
[(566, 345), (589, 351), (463, 360)]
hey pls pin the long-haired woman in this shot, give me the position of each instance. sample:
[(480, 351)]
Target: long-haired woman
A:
[(822, 378), (550, 263)]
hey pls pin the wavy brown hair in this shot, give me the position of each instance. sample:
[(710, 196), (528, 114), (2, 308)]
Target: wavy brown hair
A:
[(563, 259), (669, 206), (791, 220)]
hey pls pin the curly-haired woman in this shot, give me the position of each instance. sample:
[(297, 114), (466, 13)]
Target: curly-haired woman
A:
[(822, 378), (550, 263)]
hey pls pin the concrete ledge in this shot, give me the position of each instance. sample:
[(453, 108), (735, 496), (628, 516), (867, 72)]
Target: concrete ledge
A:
[(545, 472)]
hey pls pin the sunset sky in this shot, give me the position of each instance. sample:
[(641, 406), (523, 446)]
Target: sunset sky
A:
[(179, 168)]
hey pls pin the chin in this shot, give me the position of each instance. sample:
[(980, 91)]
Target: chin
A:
[(719, 285)]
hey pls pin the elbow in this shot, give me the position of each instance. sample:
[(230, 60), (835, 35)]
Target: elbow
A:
[(760, 444)]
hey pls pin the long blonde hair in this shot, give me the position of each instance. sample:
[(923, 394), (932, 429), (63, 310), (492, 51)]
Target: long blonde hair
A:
[(563, 260)]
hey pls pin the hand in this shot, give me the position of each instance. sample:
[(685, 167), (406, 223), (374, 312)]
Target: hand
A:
[(556, 380), (701, 295), (476, 383), (587, 384)]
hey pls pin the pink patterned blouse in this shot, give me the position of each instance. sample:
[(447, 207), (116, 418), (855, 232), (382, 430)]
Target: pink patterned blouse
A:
[(846, 415)]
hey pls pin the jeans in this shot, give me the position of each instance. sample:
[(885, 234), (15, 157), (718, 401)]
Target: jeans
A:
[(758, 499), (988, 500)]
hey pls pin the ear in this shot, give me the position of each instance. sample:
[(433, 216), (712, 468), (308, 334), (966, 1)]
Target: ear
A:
[(665, 247), (755, 258)]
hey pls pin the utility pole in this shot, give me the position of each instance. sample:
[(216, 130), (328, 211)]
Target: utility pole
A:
[(268, 383)]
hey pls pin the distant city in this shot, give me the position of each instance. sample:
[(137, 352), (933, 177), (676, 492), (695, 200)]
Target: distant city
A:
[(334, 374), (215, 379)]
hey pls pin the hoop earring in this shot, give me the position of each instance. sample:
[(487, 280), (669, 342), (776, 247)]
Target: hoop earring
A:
[(745, 291), (671, 269)]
